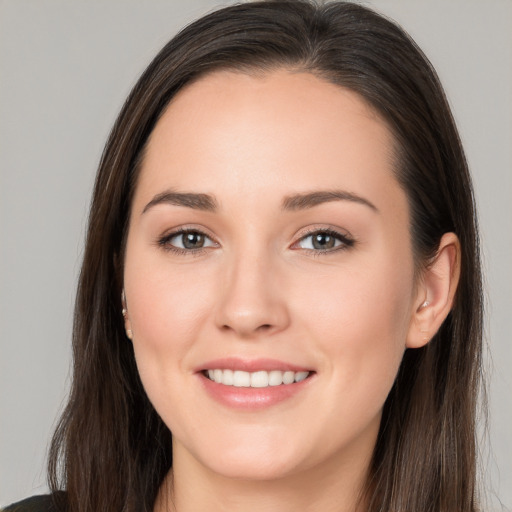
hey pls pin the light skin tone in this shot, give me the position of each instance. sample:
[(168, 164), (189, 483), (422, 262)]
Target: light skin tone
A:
[(297, 249)]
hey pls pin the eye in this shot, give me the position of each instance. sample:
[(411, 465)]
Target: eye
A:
[(186, 240), (324, 240)]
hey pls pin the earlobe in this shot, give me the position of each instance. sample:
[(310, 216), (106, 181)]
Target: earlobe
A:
[(127, 323), (436, 292)]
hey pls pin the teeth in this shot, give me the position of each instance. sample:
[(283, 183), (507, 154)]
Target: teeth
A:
[(301, 376), (227, 377), (240, 379), (288, 377), (260, 379), (275, 378)]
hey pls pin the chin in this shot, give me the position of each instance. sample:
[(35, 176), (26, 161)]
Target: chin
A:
[(254, 459), (254, 468)]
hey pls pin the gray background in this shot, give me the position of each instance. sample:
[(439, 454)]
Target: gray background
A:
[(65, 69)]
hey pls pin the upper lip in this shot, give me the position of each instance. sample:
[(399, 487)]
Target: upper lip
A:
[(251, 365)]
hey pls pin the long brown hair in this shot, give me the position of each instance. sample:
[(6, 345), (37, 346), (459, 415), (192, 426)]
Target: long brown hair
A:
[(111, 450)]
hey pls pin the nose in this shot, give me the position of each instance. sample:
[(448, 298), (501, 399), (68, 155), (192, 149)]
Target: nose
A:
[(252, 301)]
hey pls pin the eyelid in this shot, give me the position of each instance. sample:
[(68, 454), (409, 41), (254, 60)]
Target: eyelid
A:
[(163, 240), (347, 240)]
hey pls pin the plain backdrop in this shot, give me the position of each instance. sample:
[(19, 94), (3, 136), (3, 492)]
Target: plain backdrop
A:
[(65, 69)]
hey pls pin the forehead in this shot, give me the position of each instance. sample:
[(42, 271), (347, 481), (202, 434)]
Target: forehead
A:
[(246, 133)]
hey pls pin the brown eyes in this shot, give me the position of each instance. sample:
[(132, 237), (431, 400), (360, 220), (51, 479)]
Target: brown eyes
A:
[(189, 240), (193, 241), (324, 240), (186, 240)]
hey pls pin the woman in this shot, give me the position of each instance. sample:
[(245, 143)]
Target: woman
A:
[(282, 270)]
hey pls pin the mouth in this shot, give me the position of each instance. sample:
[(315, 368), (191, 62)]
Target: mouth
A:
[(256, 379), (254, 384)]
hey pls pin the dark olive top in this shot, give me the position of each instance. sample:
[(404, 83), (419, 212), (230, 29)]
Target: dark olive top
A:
[(44, 503)]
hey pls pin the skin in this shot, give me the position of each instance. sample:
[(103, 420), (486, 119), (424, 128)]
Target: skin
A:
[(260, 290)]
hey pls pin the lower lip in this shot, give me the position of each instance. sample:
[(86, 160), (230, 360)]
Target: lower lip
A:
[(252, 398)]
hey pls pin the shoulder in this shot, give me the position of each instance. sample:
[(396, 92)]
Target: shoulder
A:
[(44, 503)]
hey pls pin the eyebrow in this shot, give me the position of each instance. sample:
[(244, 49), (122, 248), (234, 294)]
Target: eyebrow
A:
[(311, 199), (192, 200), (206, 202)]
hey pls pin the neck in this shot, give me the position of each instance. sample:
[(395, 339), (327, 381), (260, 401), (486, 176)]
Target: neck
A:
[(190, 487)]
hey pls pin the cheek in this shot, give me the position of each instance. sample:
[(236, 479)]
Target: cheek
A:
[(360, 320), (168, 310), (167, 307)]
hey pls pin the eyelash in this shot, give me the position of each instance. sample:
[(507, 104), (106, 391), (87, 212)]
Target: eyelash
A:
[(163, 242), (346, 242)]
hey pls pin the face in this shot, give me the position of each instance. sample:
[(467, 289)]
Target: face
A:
[(269, 277)]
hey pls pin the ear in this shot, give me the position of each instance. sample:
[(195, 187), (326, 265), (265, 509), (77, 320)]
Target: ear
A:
[(436, 291), (127, 323)]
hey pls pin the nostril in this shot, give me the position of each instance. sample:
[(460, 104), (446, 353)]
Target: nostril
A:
[(264, 328)]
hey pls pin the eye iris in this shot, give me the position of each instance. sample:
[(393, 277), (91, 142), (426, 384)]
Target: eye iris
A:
[(323, 241), (193, 240)]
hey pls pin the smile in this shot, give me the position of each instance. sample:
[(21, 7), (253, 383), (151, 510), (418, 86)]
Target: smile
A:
[(258, 379)]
